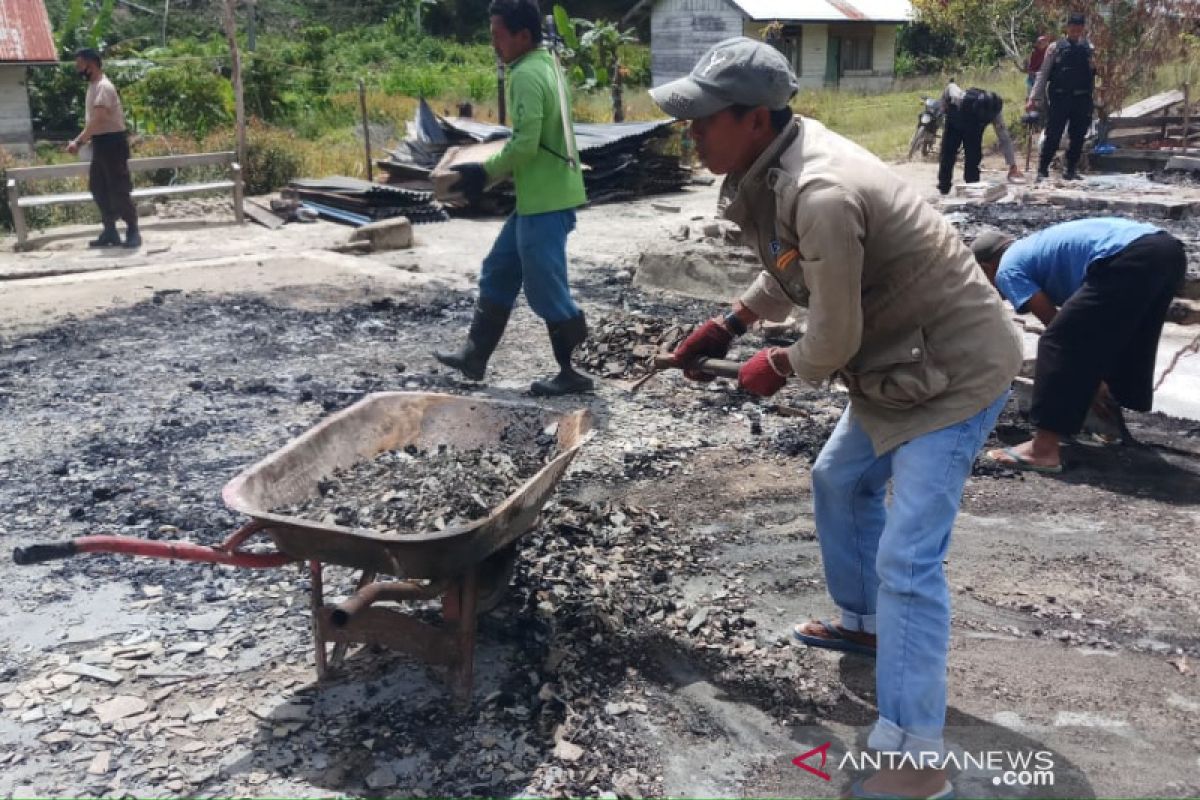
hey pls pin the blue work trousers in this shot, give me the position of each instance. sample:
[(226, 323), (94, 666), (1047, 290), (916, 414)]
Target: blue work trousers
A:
[(883, 562), (531, 254)]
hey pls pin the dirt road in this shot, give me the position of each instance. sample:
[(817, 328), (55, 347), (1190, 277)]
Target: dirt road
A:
[(643, 651)]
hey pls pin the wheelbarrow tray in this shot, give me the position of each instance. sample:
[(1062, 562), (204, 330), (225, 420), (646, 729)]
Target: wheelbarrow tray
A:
[(389, 421)]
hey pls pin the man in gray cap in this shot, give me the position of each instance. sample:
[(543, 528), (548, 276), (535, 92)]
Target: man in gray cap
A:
[(1065, 83), (1102, 288), (899, 312)]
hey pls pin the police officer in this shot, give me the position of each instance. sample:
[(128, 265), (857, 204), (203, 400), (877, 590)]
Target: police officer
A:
[(1065, 84)]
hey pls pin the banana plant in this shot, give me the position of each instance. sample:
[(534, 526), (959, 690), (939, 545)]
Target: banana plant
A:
[(592, 54)]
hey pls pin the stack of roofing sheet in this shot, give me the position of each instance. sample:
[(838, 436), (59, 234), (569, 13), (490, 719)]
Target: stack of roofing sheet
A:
[(357, 202), (622, 160)]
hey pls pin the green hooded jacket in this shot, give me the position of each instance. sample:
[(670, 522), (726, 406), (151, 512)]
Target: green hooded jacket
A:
[(536, 154)]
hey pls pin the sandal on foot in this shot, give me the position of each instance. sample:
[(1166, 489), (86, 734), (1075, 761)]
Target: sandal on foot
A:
[(860, 792), (1017, 461), (836, 638)]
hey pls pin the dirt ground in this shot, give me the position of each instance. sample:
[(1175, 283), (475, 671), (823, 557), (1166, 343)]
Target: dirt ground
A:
[(643, 649)]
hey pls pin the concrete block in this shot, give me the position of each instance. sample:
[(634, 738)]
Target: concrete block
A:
[(386, 234), (982, 192)]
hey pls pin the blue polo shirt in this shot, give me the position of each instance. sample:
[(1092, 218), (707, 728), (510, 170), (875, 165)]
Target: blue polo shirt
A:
[(1056, 260)]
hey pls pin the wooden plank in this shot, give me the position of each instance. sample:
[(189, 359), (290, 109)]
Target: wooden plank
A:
[(1150, 105), (235, 172), (268, 219), (34, 201), (17, 214), (80, 168), (1149, 122), (26, 174)]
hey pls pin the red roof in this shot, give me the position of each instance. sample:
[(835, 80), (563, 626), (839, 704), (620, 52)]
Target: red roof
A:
[(25, 34)]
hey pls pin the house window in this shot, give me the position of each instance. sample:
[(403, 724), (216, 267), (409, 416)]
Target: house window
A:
[(857, 54)]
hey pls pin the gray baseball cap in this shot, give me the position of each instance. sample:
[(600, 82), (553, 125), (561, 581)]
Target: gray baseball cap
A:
[(736, 71)]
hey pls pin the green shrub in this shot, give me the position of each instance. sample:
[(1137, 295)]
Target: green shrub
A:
[(481, 84), (423, 81), (181, 100), (272, 159)]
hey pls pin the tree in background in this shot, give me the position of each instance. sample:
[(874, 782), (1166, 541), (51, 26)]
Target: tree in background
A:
[(593, 59), (985, 28)]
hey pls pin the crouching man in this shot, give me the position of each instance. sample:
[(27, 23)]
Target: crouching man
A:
[(1102, 288), (898, 310)]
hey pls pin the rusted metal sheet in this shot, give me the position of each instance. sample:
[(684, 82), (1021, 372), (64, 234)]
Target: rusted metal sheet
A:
[(25, 33)]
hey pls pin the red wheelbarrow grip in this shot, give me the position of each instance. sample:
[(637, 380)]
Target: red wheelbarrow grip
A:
[(133, 546)]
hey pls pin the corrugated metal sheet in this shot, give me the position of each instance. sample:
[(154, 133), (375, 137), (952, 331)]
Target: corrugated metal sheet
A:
[(25, 34), (827, 10)]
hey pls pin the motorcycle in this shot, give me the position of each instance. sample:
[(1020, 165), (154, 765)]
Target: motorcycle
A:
[(929, 123)]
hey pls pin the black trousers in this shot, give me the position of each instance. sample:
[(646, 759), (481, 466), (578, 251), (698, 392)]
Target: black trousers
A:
[(109, 180), (1070, 112), (1107, 331), (967, 135)]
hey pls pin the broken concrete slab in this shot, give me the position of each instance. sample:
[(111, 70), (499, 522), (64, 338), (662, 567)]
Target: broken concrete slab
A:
[(1151, 207), (1186, 163), (705, 273), (202, 623), (386, 234), (95, 673), (121, 706)]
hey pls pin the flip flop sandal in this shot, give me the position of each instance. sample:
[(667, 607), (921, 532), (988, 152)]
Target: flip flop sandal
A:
[(833, 639), (1019, 462), (859, 792)]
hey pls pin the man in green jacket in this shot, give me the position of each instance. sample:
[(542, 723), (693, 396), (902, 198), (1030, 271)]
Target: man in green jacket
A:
[(531, 250)]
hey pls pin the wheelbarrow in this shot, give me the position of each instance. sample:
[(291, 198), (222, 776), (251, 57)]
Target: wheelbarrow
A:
[(469, 566)]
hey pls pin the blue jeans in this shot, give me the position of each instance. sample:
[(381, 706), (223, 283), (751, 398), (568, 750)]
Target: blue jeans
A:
[(883, 563), (531, 252)]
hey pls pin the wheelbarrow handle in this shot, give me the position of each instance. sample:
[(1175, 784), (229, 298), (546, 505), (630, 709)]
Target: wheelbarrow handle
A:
[(38, 553), (175, 551), (718, 367)]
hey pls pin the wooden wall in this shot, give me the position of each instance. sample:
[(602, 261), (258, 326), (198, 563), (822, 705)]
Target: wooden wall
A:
[(16, 130), (683, 30)]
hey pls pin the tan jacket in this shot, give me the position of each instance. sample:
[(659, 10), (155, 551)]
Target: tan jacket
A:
[(897, 307)]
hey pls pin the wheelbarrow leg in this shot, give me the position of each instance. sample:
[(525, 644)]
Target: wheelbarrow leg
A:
[(339, 649), (318, 602), (460, 605)]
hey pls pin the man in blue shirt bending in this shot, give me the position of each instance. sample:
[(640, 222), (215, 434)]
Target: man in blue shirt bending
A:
[(1102, 288)]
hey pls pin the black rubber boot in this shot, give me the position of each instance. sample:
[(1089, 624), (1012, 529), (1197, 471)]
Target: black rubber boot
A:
[(108, 238), (487, 326), (564, 338), (133, 239)]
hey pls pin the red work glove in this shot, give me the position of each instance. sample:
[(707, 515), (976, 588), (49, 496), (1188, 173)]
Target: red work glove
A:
[(710, 340), (765, 373)]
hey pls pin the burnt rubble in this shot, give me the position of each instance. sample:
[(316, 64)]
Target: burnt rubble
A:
[(417, 490)]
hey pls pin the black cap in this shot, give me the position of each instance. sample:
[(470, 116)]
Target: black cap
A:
[(1077, 19)]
